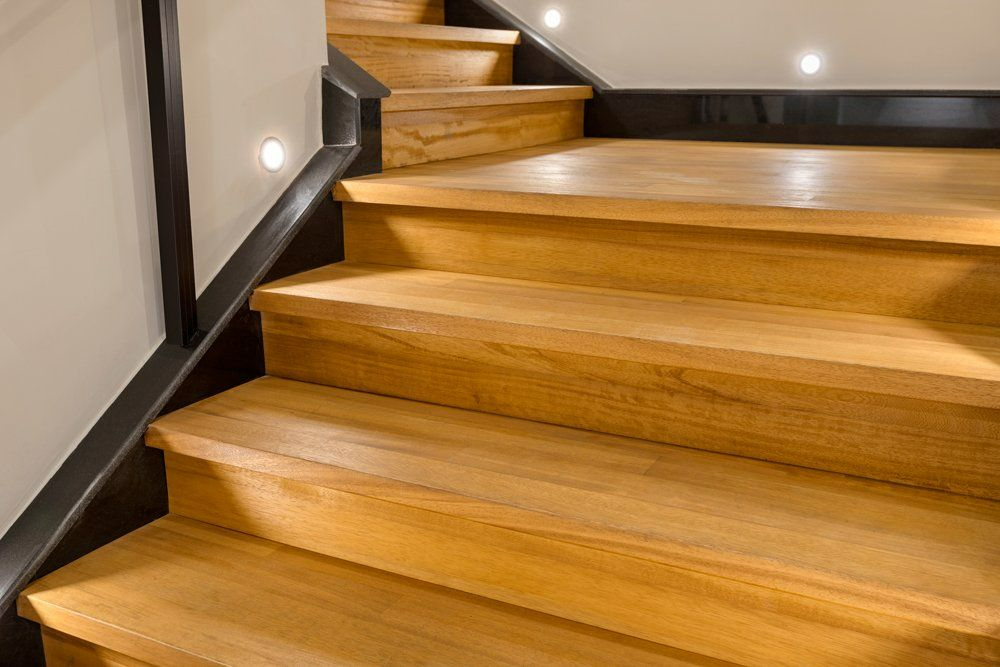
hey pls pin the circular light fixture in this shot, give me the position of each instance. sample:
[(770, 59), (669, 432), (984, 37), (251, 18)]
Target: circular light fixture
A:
[(553, 18), (272, 154), (810, 63)]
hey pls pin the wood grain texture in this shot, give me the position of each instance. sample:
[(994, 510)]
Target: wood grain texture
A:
[(439, 33), (705, 614), (414, 63), (416, 99), (178, 592), (956, 363), (65, 651), (413, 137), (941, 195), (932, 281), (918, 442), (899, 550), (403, 11)]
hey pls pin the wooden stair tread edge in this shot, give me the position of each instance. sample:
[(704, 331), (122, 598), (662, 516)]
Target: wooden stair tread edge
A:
[(892, 549), (418, 99), (403, 11), (440, 33), (180, 591), (956, 362), (889, 193)]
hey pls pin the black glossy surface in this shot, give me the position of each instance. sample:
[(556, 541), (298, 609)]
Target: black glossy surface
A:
[(816, 118), (170, 175)]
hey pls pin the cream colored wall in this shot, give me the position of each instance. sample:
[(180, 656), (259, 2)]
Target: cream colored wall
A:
[(921, 44), (251, 70), (80, 308)]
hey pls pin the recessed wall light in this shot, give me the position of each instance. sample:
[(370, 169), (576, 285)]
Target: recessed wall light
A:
[(272, 154), (810, 63), (553, 18)]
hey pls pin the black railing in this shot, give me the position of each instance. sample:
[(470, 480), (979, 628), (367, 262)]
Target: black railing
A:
[(170, 175)]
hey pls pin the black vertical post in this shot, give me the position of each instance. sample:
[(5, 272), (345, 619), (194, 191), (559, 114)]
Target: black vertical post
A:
[(170, 176)]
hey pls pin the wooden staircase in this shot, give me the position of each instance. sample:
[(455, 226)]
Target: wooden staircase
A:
[(579, 401)]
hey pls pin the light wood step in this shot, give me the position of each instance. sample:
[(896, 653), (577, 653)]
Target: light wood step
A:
[(888, 398), (747, 561), (428, 124), (180, 592), (402, 11), (923, 280), (913, 194), (407, 55), (424, 99)]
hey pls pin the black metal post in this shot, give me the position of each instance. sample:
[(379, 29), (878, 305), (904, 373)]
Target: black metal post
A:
[(170, 176)]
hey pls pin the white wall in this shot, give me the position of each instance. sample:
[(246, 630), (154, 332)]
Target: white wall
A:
[(251, 69), (930, 44), (80, 307)]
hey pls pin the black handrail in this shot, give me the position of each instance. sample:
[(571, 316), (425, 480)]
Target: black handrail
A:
[(170, 174)]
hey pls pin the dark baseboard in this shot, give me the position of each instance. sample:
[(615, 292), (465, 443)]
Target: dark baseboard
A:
[(111, 484), (863, 118), (931, 118)]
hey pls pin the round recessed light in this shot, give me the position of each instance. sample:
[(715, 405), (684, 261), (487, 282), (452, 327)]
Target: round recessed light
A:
[(272, 154), (810, 63), (553, 18)]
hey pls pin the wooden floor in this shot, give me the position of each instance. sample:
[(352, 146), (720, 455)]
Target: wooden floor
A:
[(180, 592), (909, 193)]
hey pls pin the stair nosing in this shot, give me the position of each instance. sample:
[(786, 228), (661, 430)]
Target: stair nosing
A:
[(418, 312), (422, 31), (419, 99)]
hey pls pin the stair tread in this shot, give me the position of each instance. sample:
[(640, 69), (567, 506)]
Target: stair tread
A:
[(414, 99), (920, 194), (906, 357), (178, 591), (897, 550), (442, 33)]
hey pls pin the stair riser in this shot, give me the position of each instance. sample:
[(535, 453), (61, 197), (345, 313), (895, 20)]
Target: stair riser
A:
[(418, 63), (914, 441), (414, 137), (62, 649), (941, 282), (400, 11), (641, 598)]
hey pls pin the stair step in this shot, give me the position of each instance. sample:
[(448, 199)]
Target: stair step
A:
[(402, 11), (427, 124), (748, 561), (935, 195), (407, 55), (182, 592), (889, 398), (931, 281), (420, 99), (440, 33)]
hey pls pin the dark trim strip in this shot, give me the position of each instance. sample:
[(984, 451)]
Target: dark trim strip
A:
[(808, 92), (933, 118), (170, 175), (859, 120)]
